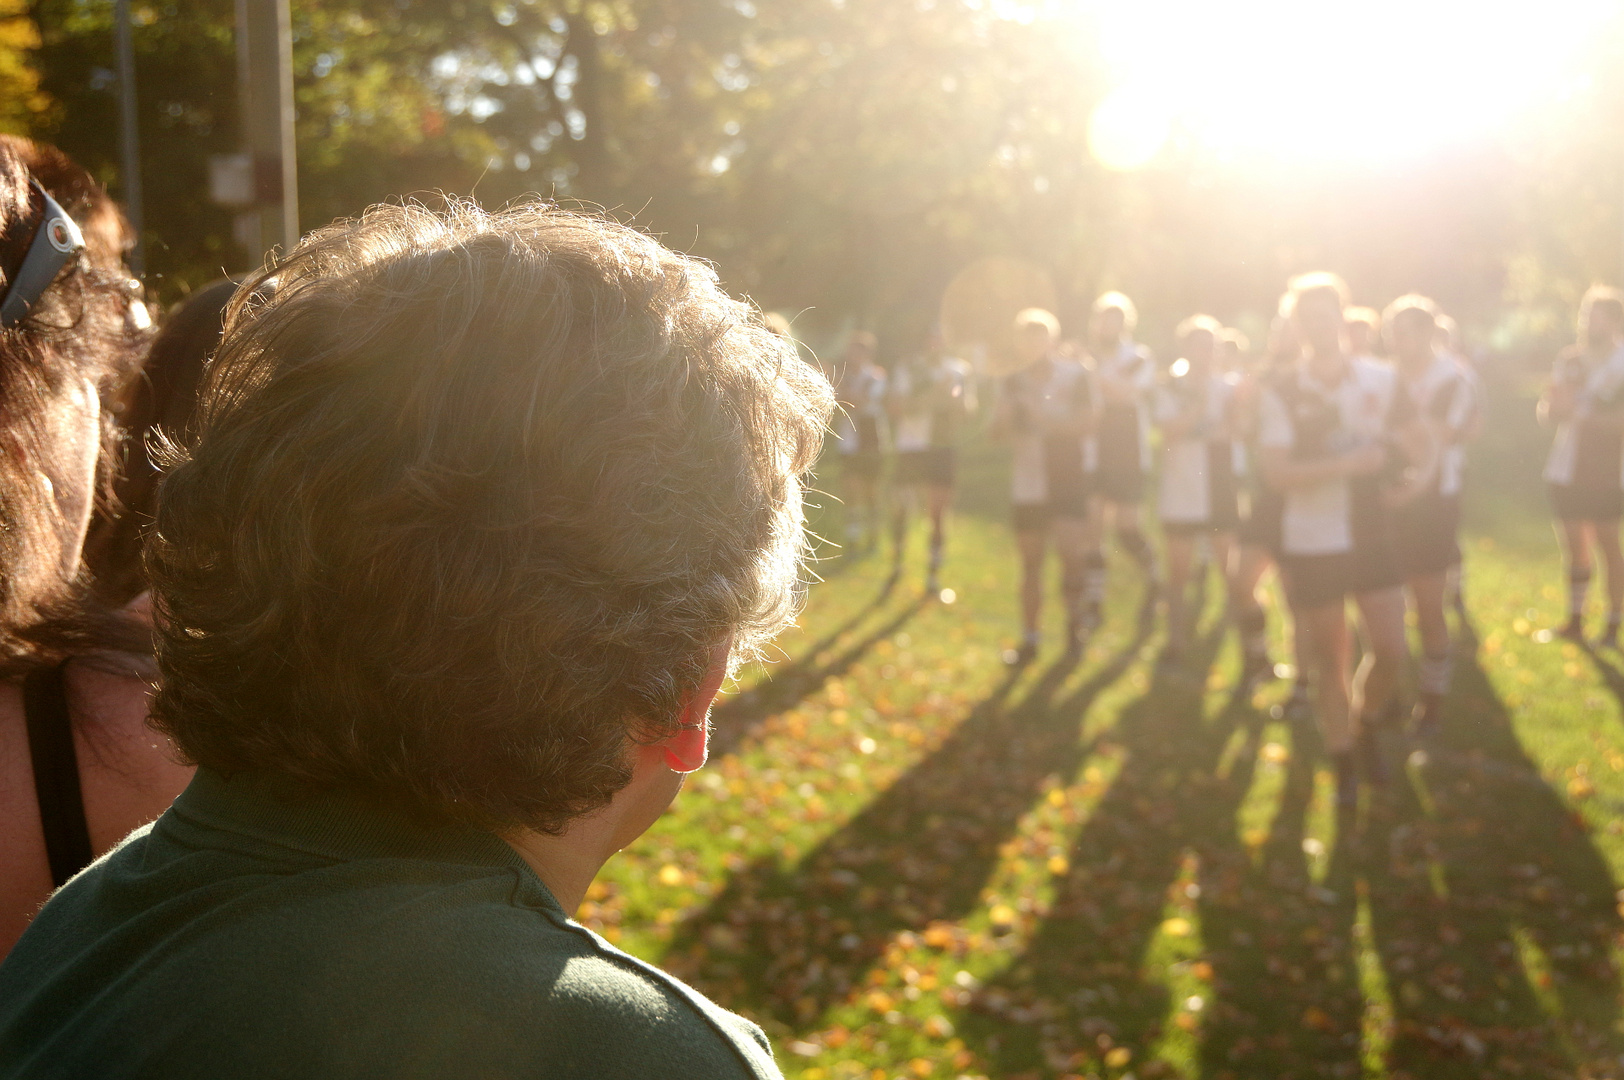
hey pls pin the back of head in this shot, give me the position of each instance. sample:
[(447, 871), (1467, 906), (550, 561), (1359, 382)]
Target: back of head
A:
[(1601, 307), (1118, 302), (474, 500), (74, 343), (1320, 284), (161, 403)]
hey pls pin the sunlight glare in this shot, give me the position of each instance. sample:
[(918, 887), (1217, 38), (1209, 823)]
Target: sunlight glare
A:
[(1292, 79)]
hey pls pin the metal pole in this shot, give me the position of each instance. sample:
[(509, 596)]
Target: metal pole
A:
[(129, 133), (265, 53)]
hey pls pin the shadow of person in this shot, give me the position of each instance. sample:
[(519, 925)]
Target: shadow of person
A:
[(737, 716), (1492, 911), (1078, 992), (794, 942), (1280, 948)]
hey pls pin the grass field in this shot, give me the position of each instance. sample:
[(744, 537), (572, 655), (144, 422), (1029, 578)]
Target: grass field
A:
[(905, 861)]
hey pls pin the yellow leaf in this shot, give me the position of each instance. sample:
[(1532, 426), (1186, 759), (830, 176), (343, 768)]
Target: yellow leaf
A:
[(1002, 915), (1118, 1057), (1058, 865), (1176, 927), (1057, 797), (670, 874)]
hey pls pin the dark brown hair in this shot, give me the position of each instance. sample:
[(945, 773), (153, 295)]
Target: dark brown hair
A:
[(475, 497), (78, 330), (160, 402)]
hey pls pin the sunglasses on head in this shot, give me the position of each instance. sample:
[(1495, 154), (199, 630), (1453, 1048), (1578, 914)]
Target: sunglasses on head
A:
[(56, 242)]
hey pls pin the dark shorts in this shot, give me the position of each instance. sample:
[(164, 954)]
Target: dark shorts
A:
[(1314, 581), (1216, 527), (1571, 502), (937, 466), (1037, 517), (1426, 534), (1260, 525)]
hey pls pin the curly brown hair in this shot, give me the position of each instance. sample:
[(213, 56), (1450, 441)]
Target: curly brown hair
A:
[(78, 332), (474, 499)]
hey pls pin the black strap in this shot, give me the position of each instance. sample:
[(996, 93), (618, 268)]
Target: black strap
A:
[(56, 773)]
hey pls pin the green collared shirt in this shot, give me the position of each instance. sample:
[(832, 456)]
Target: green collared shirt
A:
[(257, 930)]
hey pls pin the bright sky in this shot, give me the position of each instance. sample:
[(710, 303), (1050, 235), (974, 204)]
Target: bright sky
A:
[(1318, 81)]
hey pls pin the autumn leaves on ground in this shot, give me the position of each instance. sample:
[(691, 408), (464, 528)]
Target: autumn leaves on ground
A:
[(906, 861)]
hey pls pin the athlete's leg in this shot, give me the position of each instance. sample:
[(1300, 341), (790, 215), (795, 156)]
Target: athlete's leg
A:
[(1179, 551), (1428, 593), (1132, 538), (1094, 566), (939, 497), (904, 498), (1575, 542), (1375, 684), (1032, 544), (1323, 638), (862, 497), (1071, 538), (1606, 537), (1251, 622)]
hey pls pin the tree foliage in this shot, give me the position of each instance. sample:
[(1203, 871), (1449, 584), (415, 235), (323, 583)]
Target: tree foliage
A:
[(837, 158)]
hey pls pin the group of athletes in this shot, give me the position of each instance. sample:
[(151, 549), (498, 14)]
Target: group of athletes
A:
[(1336, 456)]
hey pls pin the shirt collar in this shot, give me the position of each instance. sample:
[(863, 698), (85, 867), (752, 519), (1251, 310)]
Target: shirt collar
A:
[(337, 824)]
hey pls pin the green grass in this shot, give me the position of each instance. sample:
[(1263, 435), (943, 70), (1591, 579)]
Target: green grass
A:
[(906, 862)]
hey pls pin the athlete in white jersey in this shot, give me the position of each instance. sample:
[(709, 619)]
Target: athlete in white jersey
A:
[(1045, 412), (1199, 498), (860, 431), (1334, 434), (1426, 516), (932, 395), (1585, 472), (1120, 450)]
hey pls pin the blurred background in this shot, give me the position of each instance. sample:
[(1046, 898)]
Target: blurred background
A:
[(842, 160)]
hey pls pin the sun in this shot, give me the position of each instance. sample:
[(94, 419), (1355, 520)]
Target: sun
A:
[(1381, 80)]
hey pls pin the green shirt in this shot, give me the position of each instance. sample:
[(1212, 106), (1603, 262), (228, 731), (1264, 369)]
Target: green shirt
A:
[(258, 930)]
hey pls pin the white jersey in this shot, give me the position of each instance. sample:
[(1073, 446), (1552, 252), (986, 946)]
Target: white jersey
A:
[(1188, 461), (933, 398), (1446, 396), (1312, 420), (1599, 384), (861, 425), (1125, 428), (1045, 412)]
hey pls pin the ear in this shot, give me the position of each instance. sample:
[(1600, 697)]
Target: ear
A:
[(686, 751)]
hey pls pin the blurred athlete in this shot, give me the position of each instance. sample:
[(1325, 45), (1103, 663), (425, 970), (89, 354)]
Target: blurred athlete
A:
[(1335, 431), (860, 429), (1585, 470), (1259, 532), (1195, 410), (1234, 349), (1046, 411), (931, 394), (1364, 331), (1449, 342), (1426, 527), (1120, 449)]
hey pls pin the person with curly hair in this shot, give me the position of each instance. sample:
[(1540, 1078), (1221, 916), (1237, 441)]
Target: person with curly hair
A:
[(79, 767), (482, 510)]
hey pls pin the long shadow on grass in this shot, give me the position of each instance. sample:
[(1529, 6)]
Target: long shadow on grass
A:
[(1078, 997), (1473, 870), (736, 717), (793, 943), (1285, 997)]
